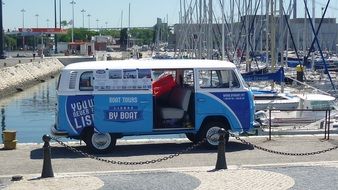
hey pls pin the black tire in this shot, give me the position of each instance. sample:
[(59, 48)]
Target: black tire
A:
[(210, 133), (100, 143), (192, 137)]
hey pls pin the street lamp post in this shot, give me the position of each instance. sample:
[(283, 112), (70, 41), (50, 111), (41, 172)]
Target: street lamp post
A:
[(37, 20), (60, 13), (2, 56), (83, 12), (47, 21), (97, 24), (73, 3), (23, 17), (55, 26), (23, 26), (89, 21), (37, 26)]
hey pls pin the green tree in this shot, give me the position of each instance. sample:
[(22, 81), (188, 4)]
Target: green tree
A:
[(112, 32), (80, 34), (65, 37), (10, 42), (144, 36), (64, 23)]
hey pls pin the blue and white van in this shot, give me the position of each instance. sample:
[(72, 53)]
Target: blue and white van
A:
[(99, 102)]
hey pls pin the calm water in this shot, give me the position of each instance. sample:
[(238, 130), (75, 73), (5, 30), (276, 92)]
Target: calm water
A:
[(31, 113)]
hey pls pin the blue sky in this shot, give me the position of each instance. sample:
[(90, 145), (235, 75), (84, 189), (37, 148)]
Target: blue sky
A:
[(143, 12)]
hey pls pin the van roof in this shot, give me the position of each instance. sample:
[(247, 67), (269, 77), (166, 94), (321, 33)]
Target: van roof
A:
[(150, 64)]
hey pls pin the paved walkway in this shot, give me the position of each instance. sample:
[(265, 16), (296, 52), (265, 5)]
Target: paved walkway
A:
[(265, 171), (277, 177)]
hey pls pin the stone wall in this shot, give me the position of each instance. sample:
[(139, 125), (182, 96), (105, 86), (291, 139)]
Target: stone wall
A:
[(21, 76)]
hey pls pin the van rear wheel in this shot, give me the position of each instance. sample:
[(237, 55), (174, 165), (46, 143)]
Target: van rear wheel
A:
[(210, 133), (100, 142)]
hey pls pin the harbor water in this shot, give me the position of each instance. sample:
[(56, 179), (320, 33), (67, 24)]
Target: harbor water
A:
[(31, 112)]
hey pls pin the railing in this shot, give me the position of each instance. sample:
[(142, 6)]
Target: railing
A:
[(327, 119)]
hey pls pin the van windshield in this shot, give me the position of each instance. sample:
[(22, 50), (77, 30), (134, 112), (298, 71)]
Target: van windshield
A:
[(58, 84)]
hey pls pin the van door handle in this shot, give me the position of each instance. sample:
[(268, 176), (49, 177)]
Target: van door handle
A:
[(144, 102), (201, 100)]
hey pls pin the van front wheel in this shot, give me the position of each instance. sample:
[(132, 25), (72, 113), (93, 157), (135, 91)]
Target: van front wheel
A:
[(210, 133), (100, 142)]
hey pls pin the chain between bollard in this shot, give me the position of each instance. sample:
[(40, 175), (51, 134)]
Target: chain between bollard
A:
[(117, 162), (280, 152)]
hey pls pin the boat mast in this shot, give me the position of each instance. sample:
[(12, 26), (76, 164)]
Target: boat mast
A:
[(232, 9), (273, 41), (261, 26), (209, 37), (200, 29), (281, 33), (247, 56), (305, 31), (223, 40), (267, 31), (128, 27), (313, 35)]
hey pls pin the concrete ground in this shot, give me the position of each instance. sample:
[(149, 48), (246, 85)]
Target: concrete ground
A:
[(247, 167)]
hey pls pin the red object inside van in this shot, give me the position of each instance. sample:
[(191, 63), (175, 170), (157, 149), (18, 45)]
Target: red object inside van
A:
[(163, 84)]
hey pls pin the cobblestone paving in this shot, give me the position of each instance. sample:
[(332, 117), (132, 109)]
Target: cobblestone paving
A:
[(309, 177), (238, 179), (146, 180)]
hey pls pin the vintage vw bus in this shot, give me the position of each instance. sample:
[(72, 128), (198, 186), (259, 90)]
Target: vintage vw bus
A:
[(99, 102)]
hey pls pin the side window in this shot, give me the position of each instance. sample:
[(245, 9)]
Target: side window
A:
[(188, 78), (72, 79), (218, 79), (86, 81), (209, 79)]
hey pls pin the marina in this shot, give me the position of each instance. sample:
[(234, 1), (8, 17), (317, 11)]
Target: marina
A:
[(111, 95)]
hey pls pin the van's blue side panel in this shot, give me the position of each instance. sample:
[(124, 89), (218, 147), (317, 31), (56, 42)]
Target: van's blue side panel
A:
[(123, 113), (237, 107), (75, 113)]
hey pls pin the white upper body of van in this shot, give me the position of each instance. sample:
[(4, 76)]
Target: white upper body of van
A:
[(71, 73)]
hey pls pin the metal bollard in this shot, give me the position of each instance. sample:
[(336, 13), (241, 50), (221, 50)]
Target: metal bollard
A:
[(221, 161), (47, 170)]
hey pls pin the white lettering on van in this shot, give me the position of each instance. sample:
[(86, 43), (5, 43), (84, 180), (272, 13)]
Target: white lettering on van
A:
[(114, 99), (122, 99), (129, 99), (128, 115), (88, 119), (83, 121), (73, 106), (113, 115), (82, 113)]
